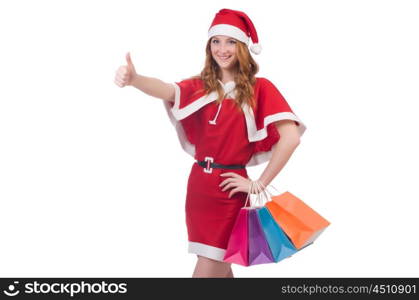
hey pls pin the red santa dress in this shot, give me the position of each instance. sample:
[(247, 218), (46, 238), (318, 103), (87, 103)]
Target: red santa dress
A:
[(228, 135)]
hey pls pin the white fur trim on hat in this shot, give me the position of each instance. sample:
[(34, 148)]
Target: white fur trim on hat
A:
[(229, 30), (256, 48)]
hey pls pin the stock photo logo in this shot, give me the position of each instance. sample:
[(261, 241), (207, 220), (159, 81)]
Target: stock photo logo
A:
[(64, 288), (11, 289)]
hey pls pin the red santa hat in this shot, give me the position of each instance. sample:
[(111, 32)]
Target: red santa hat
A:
[(235, 24)]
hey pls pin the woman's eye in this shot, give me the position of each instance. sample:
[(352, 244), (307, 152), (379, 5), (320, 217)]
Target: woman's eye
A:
[(231, 41)]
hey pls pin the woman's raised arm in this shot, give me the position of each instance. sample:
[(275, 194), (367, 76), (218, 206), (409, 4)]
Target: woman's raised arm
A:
[(127, 75)]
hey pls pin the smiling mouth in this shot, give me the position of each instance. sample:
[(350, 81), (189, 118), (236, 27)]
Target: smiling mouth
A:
[(224, 58)]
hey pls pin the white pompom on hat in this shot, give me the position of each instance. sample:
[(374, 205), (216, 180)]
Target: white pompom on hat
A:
[(235, 24)]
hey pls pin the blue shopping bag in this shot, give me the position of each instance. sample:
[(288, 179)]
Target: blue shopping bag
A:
[(280, 245)]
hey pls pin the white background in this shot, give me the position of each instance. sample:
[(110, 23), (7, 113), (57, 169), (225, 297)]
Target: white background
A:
[(93, 178)]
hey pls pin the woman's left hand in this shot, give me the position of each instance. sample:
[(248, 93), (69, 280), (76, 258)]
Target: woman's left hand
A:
[(235, 181)]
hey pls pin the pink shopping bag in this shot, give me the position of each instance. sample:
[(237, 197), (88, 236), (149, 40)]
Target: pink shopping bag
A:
[(238, 245)]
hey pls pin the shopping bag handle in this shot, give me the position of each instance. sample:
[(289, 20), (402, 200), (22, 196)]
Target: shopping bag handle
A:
[(251, 185), (259, 191), (259, 198), (254, 186), (266, 190), (263, 191)]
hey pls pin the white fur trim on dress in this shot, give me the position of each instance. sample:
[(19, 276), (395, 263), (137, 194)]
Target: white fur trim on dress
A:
[(258, 135), (206, 250), (176, 114), (181, 113), (228, 30), (188, 147)]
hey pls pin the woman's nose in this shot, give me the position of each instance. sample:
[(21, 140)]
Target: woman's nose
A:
[(223, 47)]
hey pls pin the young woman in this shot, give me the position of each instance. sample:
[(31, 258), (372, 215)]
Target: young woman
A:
[(227, 119)]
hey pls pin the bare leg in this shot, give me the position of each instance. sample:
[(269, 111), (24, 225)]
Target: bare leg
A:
[(206, 267), (230, 273)]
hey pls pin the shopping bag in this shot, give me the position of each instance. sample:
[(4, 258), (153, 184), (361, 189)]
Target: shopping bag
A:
[(300, 222), (259, 251), (238, 246), (279, 244)]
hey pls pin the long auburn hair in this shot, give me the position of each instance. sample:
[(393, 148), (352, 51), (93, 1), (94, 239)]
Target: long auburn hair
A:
[(245, 70)]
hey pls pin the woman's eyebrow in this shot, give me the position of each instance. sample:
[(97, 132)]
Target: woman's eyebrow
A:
[(227, 39)]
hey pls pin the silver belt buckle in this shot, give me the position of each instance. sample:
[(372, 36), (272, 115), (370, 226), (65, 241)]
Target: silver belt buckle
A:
[(209, 160)]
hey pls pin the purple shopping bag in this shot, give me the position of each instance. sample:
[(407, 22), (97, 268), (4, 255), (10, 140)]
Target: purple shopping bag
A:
[(259, 251)]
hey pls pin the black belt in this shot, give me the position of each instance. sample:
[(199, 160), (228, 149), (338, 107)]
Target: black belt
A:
[(219, 166)]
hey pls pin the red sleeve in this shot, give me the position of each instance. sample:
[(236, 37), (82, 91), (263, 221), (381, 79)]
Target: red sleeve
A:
[(186, 93), (189, 97), (271, 107)]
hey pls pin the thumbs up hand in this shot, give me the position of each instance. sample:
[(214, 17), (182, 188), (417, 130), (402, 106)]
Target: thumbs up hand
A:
[(125, 74)]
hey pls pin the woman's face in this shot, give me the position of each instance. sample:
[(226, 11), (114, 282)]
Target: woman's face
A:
[(223, 50)]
